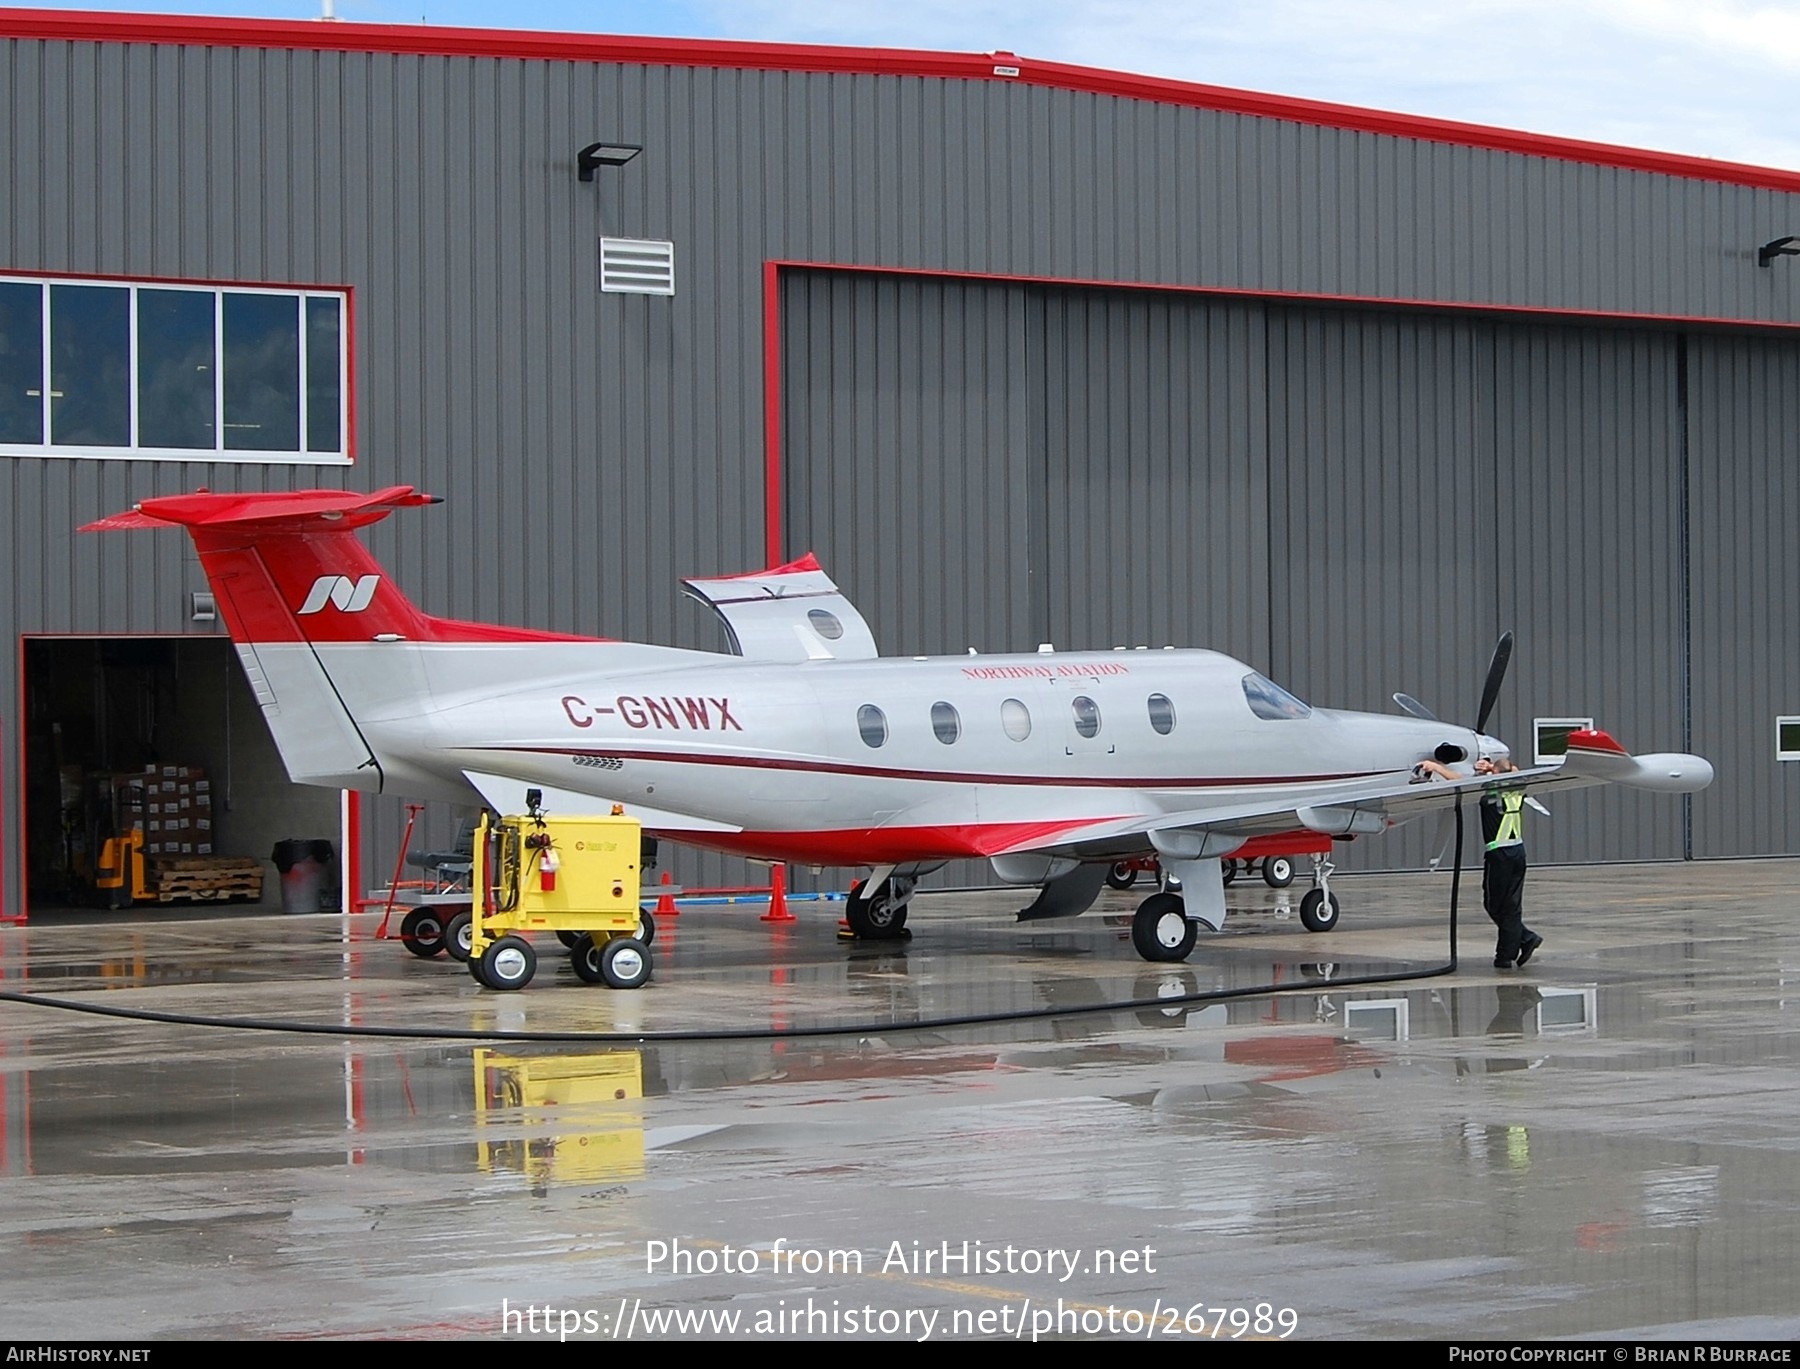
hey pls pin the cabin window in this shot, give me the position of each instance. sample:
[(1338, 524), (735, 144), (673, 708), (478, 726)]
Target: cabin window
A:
[(825, 623), (946, 723), (1270, 701), (1162, 714), (872, 723), (1087, 715), (1015, 719)]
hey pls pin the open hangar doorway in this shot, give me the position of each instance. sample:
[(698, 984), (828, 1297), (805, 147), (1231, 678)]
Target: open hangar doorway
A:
[(151, 781)]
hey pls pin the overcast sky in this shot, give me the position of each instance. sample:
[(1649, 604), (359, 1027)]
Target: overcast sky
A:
[(1715, 78)]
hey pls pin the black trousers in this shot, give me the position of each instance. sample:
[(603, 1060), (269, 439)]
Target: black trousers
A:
[(1503, 895)]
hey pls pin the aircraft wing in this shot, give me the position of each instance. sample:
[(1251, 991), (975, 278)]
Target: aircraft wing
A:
[(787, 613), (1593, 758)]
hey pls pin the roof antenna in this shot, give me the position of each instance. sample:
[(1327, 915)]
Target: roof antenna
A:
[(328, 11)]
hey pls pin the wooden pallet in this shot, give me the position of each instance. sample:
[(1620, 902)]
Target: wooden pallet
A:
[(206, 878)]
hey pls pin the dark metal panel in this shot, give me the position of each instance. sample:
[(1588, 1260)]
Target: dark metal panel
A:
[(1588, 516), (1156, 482), (1744, 458), (1381, 468), (905, 454)]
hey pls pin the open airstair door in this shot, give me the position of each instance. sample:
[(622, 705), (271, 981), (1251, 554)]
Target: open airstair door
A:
[(787, 613)]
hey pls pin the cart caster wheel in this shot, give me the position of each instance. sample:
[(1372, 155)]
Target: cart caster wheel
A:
[(1228, 871), (570, 939), (646, 931), (625, 962), (1278, 872), (584, 958), (422, 932), (1122, 875), (508, 964), (458, 933)]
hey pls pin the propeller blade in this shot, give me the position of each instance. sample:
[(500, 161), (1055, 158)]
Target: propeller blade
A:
[(1411, 705), (1496, 674)]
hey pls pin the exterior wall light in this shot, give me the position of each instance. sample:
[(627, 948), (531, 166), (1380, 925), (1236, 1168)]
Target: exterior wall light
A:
[(603, 154), (1781, 247)]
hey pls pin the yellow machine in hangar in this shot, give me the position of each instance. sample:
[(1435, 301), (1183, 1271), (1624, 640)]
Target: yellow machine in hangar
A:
[(577, 877)]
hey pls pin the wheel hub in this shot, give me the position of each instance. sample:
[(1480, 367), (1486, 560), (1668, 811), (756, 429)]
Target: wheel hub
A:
[(509, 964), (627, 963)]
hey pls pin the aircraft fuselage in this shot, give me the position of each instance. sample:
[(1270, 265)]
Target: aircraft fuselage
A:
[(888, 759)]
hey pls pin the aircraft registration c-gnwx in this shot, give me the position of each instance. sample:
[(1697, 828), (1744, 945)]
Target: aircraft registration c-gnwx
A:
[(807, 746)]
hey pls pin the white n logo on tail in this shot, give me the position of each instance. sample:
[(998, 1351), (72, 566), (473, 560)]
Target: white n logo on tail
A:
[(341, 592)]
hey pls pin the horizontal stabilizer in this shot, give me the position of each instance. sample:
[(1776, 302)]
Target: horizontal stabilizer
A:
[(335, 510)]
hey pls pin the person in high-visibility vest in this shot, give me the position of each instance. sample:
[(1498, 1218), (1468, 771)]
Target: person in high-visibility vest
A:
[(1503, 860), (1503, 867)]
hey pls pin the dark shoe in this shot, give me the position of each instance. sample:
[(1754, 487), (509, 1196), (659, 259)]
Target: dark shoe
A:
[(1531, 942), (1500, 964)]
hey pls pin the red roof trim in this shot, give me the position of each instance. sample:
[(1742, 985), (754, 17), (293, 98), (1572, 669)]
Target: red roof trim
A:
[(427, 40)]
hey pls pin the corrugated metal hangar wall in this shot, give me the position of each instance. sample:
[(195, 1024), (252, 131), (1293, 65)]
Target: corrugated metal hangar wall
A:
[(1094, 366)]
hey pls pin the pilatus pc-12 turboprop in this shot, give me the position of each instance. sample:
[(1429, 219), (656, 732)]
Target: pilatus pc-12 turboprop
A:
[(807, 746)]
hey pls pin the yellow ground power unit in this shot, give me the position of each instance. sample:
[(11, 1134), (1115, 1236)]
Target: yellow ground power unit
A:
[(576, 877)]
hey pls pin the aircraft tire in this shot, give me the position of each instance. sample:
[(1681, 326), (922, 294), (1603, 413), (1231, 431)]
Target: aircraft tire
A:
[(874, 918), (456, 935), (625, 962), (422, 932), (1122, 875), (509, 963), (1161, 929), (1278, 872), (1318, 911)]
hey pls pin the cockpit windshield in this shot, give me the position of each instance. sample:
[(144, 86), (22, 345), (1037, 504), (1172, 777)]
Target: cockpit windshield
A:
[(1269, 700)]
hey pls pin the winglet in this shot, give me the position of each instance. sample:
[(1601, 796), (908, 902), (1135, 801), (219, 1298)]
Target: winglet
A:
[(1595, 755)]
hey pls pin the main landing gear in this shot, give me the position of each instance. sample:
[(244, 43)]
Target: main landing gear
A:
[(876, 910), (1161, 929), (1319, 907)]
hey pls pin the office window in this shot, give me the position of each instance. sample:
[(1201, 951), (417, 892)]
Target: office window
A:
[(173, 372), (1787, 739), (1552, 736)]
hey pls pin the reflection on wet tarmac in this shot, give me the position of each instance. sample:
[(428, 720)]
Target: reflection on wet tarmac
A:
[(1600, 1144)]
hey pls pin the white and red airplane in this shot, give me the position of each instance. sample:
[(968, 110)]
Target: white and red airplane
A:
[(808, 746)]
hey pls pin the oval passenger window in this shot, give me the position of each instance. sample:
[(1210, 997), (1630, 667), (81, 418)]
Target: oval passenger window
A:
[(872, 723), (1087, 715), (1162, 713), (1015, 719), (946, 722)]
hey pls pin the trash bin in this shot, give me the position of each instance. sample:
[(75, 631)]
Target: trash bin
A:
[(306, 866)]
